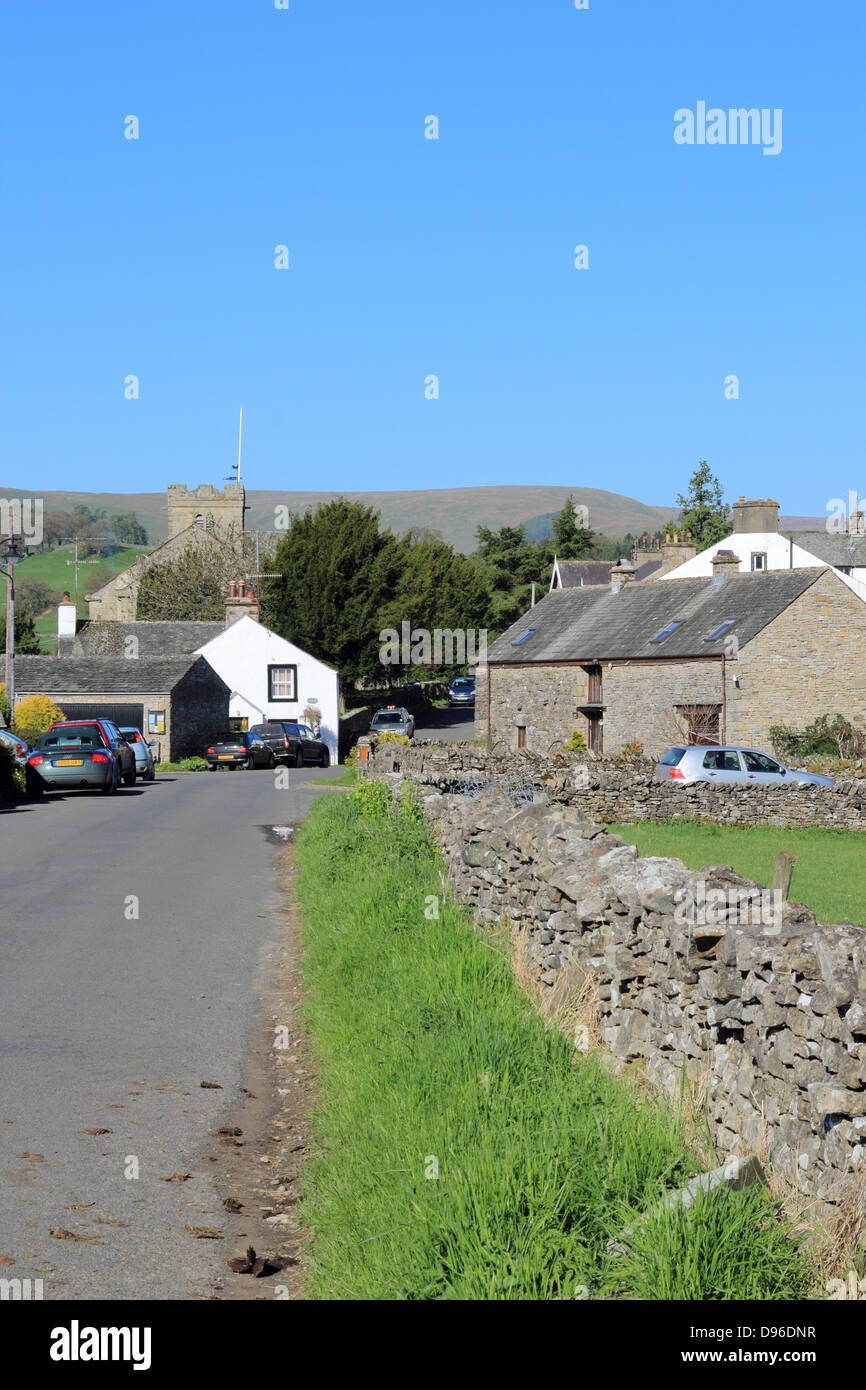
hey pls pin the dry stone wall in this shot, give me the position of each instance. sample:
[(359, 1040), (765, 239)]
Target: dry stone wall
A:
[(765, 1012), (611, 793)]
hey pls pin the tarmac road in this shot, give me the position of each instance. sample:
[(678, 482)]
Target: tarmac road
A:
[(133, 931)]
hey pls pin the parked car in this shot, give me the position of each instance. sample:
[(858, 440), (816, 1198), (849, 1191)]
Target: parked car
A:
[(461, 691), (727, 766), (293, 743), (236, 749), (114, 740), (142, 752), (77, 754), (393, 720), (16, 746)]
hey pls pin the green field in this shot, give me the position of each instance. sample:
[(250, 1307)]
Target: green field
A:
[(828, 874), (51, 567), (458, 1148)]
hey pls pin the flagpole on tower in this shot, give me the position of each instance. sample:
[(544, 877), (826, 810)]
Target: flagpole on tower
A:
[(240, 440)]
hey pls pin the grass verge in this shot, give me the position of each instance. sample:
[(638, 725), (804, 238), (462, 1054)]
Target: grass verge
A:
[(461, 1149), (827, 874)]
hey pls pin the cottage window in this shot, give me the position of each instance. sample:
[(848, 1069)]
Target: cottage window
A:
[(282, 683), (699, 723), (521, 735), (759, 559)]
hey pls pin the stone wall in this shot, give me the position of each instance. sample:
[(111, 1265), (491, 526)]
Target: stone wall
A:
[(199, 709), (607, 792), (768, 1020)]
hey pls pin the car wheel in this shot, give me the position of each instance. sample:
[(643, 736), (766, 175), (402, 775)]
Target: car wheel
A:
[(299, 758), (325, 760), (272, 762), (250, 763), (35, 788), (110, 787), (129, 778)]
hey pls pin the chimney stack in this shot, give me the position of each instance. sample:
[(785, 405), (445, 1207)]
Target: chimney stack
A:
[(677, 549), (620, 574), (725, 563), (753, 516), (240, 603)]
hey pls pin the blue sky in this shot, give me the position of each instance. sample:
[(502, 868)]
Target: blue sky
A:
[(410, 257)]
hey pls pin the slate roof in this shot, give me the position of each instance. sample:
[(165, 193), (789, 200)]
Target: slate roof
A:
[(595, 624), (648, 568), (830, 546), (161, 638), (101, 675), (579, 573)]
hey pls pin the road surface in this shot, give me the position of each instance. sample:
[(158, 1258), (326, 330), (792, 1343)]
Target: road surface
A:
[(133, 932), (446, 725)]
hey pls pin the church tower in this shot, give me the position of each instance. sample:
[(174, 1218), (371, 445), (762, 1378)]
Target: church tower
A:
[(219, 512)]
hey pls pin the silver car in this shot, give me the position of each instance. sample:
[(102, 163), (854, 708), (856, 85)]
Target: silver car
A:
[(393, 720), (144, 764), (725, 766)]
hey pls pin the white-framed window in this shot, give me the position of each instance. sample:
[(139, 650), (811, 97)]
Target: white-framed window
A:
[(282, 683), (759, 559)]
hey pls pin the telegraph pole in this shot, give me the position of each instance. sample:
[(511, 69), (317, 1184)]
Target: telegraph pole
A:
[(12, 556), (85, 540)]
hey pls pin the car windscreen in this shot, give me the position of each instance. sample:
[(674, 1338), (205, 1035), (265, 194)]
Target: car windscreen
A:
[(461, 681), (228, 737), (672, 757), (131, 735), (71, 738), (388, 718)]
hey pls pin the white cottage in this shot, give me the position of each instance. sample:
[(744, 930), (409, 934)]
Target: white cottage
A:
[(269, 677), (759, 546)]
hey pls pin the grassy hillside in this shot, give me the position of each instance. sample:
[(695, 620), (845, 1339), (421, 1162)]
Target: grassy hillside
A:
[(53, 567)]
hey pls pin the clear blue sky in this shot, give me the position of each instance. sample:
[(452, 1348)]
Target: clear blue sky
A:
[(411, 256)]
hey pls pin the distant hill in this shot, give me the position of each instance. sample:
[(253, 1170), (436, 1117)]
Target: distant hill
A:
[(454, 511)]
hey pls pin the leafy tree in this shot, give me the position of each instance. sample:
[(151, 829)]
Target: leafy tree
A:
[(703, 513), (128, 529), (572, 537), (56, 527), (440, 589), (34, 715), (193, 585), (26, 639), (32, 597), (4, 707), (336, 570), (510, 565)]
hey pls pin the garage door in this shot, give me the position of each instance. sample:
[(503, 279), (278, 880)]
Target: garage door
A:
[(124, 716)]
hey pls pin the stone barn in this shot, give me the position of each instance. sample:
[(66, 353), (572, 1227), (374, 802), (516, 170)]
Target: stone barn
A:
[(688, 660)]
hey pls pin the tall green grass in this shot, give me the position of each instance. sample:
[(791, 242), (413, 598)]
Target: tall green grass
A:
[(458, 1151)]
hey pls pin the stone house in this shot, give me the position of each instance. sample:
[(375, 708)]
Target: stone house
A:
[(689, 660), (178, 702)]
